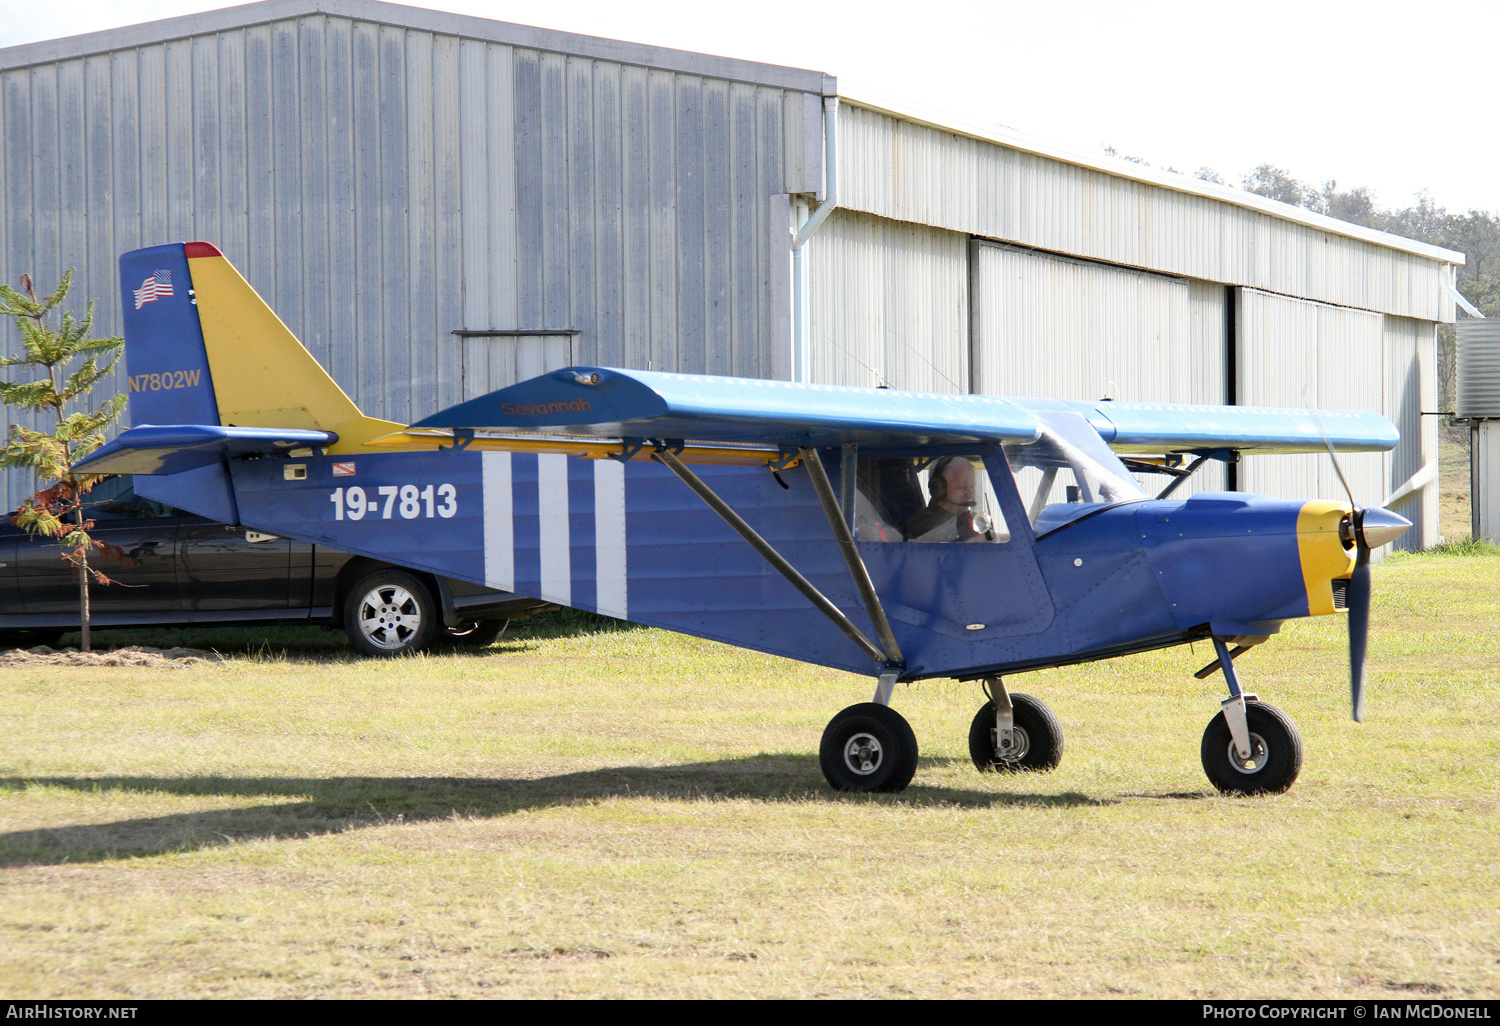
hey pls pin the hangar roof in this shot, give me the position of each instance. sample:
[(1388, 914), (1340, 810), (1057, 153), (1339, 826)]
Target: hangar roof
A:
[(876, 100), (645, 55), (641, 54)]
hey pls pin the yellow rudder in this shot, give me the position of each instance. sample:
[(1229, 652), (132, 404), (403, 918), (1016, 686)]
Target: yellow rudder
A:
[(262, 375)]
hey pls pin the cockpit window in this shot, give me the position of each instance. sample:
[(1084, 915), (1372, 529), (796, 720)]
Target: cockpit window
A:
[(1068, 473), (947, 499)]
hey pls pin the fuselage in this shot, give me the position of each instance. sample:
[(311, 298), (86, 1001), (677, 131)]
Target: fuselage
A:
[(631, 541)]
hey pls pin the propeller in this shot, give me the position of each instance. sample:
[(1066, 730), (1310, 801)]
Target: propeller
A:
[(1368, 527)]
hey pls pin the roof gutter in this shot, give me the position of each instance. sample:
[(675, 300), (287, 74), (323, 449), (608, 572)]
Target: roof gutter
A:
[(807, 225)]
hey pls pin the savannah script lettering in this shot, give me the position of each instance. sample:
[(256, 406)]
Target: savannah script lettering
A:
[(573, 406)]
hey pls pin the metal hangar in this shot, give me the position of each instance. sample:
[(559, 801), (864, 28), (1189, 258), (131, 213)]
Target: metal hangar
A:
[(439, 205)]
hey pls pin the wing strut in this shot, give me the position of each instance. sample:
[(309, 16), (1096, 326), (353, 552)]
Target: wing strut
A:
[(671, 462), (841, 534)]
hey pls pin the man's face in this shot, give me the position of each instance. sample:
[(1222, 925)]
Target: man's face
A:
[(960, 477)]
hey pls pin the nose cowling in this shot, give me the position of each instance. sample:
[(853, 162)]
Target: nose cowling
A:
[(1380, 526)]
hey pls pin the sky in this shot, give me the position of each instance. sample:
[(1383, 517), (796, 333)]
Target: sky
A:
[(1391, 96)]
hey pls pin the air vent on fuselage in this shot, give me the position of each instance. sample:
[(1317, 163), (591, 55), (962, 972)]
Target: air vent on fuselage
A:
[(1340, 594)]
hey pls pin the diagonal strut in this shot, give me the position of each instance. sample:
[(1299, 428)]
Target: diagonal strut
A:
[(827, 608)]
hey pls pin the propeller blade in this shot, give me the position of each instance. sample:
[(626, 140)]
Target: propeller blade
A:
[(1328, 442), (1358, 599)]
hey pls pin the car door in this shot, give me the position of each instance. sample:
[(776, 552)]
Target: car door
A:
[(10, 592), (226, 568), (137, 552)]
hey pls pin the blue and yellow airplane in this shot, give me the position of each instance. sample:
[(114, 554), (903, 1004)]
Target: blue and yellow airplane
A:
[(905, 535)]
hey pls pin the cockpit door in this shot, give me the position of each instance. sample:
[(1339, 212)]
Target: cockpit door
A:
[(982, 581)]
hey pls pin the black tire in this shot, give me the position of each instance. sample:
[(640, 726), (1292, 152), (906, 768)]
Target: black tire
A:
[(389, 613), (31, 637), (1039, 738), (868, 747), (476, 633), (1276, 748)]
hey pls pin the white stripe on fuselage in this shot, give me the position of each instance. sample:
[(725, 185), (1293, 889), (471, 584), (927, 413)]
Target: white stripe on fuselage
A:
[(609, 536), (552, 523), (555, 541), (499, 523)]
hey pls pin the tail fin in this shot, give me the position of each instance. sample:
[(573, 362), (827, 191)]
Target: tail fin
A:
[(201, 347)]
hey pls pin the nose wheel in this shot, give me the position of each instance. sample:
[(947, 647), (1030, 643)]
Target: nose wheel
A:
[(1275, 756)]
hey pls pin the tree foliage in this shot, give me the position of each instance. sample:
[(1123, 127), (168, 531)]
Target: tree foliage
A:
[(44, 384)]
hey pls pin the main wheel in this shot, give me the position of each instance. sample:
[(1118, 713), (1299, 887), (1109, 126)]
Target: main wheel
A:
[(1038, 738), (868, 747), (389, 613), (476, 633), (1275, 753)]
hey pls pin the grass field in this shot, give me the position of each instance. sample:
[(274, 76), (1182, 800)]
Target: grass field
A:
[(1453, 486), (624, 812)]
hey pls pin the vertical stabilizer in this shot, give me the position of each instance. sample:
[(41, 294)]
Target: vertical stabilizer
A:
[(263, 376), (168, 379)]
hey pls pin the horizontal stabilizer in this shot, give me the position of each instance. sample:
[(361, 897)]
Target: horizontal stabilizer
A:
[(604, 401), (174, 448)]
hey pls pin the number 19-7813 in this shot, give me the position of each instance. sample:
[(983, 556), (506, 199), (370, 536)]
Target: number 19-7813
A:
[(407, 501)]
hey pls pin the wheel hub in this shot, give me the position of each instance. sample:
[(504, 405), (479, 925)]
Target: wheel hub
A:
[(863, 754), (1020, 744), (1259, 755), (389, 616)]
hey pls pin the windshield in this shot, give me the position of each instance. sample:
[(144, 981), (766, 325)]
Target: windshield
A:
[(1068, 473)]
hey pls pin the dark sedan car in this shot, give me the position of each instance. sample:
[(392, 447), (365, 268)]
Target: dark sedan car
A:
[(176, 569)]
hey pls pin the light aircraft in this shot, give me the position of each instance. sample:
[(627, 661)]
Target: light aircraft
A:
[(901, 534)]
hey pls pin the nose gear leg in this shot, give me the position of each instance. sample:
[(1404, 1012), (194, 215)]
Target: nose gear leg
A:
[(1234, 705)]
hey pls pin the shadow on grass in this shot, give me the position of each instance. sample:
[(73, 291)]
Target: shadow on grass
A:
[(312, 644), (337, 804)]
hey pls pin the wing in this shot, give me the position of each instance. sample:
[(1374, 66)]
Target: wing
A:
[(1165, 427), (614, 403)]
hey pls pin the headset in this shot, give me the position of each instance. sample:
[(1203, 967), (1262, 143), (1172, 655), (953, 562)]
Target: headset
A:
[(937, 479)]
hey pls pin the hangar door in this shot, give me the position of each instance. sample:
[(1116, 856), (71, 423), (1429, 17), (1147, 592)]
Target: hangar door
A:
[(1059, 328), (1292, 353)]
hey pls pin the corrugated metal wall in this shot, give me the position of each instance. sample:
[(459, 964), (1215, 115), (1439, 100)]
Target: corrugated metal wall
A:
[(382, 186), (1289, 353), (1070, 329), (1067, 329), (1292, 352), (912, 172), (1411, 386), (491, 362), (890, 305)]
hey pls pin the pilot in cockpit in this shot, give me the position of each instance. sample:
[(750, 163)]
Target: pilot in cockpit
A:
[(949, 516)]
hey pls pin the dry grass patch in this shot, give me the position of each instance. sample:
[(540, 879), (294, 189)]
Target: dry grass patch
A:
[(627, 812)]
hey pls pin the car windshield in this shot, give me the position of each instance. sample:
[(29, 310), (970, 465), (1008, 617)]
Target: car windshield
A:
[(114, 498), (1068, 473)]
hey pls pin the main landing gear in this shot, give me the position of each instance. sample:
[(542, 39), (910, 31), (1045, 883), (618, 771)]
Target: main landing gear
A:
[(1250, 747), (871, 747), (1014, 733)]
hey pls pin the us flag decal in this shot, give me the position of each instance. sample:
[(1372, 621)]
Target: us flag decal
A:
[(157, 285), (343, 470)]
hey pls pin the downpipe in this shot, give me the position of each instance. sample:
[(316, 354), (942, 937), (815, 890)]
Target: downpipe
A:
[(807, 224)]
